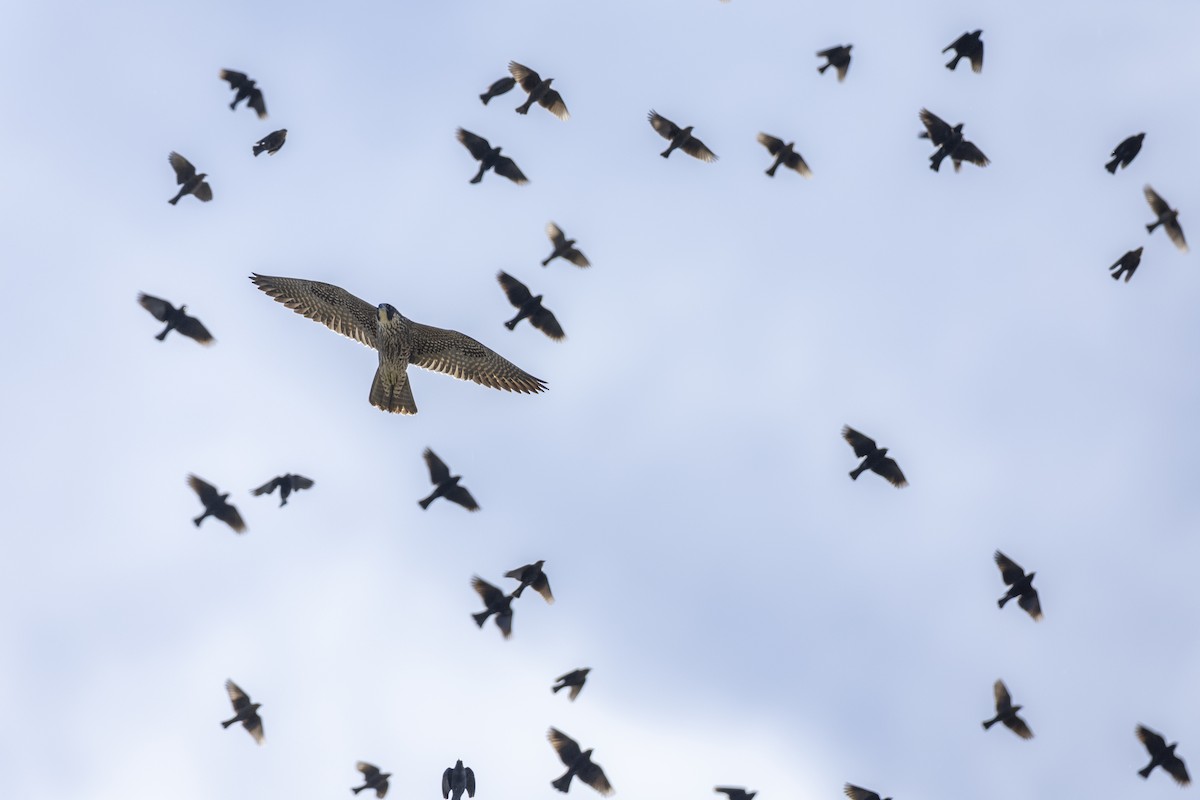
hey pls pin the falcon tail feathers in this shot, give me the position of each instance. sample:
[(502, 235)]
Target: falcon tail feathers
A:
[(392, 392)]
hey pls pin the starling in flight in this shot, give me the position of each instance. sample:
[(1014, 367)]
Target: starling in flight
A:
[(874, 458), (528, 305), (735, 794), (286, 484), (456, 780), (176, 319), (949, 141), (373, 779), (495, 602), (680, 138), (532, 575), (498, 88), (1125, 152), (579, 763), (271, 143), (1167, 217), (189, 182), (1162, 755), (246, 90), (1020, 585), (489, 158), (1127, 265), (968, 46), (785, 155), (215, 506), (859, 793), (447, 486), (564, 248), (1006, 712), (539, 91), (575, 679), (837, 57), (245, 712)]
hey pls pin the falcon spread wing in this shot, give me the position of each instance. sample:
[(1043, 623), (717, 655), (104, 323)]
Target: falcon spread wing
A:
[(459, 355), (330, 305), (859, 793)]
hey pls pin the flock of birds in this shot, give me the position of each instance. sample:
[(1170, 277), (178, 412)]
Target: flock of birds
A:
[(400, 342)]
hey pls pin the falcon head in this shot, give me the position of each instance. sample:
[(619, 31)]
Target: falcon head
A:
[(387, 312)]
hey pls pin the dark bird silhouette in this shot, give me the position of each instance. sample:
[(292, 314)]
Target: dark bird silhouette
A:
[(245, 712), (246, 90), (874, 458), (949, 142), (539, 92), (1162, 755), (1127, 265), (574, 680), (579, 763), (837, 57), (373, 779), (1125, 152), (189, 182), (286, 484), (1167, 217), (680, 138), (1006, 712), (446, 485), (528, 305), (785, 155), (215, 505), (968, 46), (456, 780), (1020, 585), (489, 158), (734, 793), (859, 793), (498, 88), (564, 248), (495, 602), (532, 575), (271, 142), (176, 319)]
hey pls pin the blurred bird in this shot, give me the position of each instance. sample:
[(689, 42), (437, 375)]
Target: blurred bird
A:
[(579, 763), (495, 602), (575, 679), (245, 712), (1167, 217), (458, 779), (1020, 585), (874, 458), (246, 90), (680, 138), (838, 57), (528, 305), (446, 486), (785, 155), (286, 484), (564, 248), (400, 342), (271, 142), (539, 92), (1127, 265), (949, 141), (374, 779), (1006, 712), (532, 575), (735, 794), (189, 182), (1162, 755), (1125, 152), (968, 46), (215, 505), (498, 88), (489, 158), (176, 319), (859, 793)]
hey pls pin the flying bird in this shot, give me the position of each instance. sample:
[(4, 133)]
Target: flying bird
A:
[(400, 342), (785, 155), (949, 142), (837, 57), (532, 575), (968, 46), (446, 486), (456, 780), (564, 248), (680, 138), (176, 318), (189, 182), (579, 763), (539, 92), (373, 779), (286, 484), (1006, 712), (1127, 265), (215, 505), (734, 793), (1162, 755), (874, 458), (1167, 217), (495, 602), (498, 88), (245, 712), (859, 793), (574, 680), (1125, 152), (489, 158), (246, 90), (1020, 585), (528, 305), (271, 142)]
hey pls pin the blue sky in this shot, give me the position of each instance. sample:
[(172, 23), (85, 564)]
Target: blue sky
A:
[(752, 616)]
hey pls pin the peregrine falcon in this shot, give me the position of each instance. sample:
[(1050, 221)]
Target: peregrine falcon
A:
[(247, 712), (400, 342)]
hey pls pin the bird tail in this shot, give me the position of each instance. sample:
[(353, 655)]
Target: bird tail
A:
[(391, 391), (563, 783), (771, 171), (481, 618), (1150, 228), (823, 68), (1003, 600), (987, 725), (174, 199), (856, 472), (511, 324), (1145, 773), (228, 722), (484, 98), (358, 789), (425, 503), (556, 688), (258, 148), (546, 263), (479, 175), (196, 521), (953, 63), (524, 107), (1112, 165), (163, 335), (666, 153)]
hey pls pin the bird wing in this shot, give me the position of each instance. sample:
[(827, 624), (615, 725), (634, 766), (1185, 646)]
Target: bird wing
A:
[(446, 782), (504, 622), (369, 771), (1003, 699), (508, 168), (566, 747), (1010, 570), (863, 445), (697, 149), (1018, 726), (593, 776), (1176, 769), (937, 128), (541, 585), (1029, 601), (257, 102), (193, 328), (729, 790), (478, 145), (842, 69), (574, 691), (517, 292), (570, 675), (524, 75), (230, 516), (859, 793), (301, 482), (967, 151), (519, 574), (203, 192), (1176, 234), (890, 470), (236, 79), (254, 724), (267, 488), (486, 591), (577, 258), (208, 493), (556, 235), (438, 471), (459, 494), (329, 305), (459, 355), (977, 58), (797, 163), (552, 101), (544, 320), (664, 126), (773, 146), (830, 53), (1159, 205), (184, 171), (160, 308), (957, 43), (1154, 742), (470, 782), (239, 698)]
